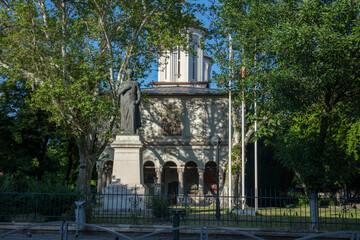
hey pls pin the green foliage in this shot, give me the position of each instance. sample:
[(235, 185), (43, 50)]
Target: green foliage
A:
[(248, 23), (41, 201), (302, 200), (327, 202), (298, 148), (160, 206), (303, 58), (31, 146), (73, 56)]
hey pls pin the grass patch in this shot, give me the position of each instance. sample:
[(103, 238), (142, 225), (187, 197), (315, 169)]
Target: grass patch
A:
[(332, 218)]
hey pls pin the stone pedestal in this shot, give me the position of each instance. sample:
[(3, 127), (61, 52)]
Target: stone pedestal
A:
[(127, 190), (120, 198)]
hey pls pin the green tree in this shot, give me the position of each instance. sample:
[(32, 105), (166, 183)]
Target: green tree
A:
[(247, 68), (309, 80), (24, 134), (316, 45), (32, 148), (74, 55)]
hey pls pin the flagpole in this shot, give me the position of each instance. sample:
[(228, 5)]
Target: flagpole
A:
[(256, 193), (230, 116), (243, 137), (243, 151)]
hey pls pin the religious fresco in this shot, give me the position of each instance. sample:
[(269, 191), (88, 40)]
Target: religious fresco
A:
[(170, 120)]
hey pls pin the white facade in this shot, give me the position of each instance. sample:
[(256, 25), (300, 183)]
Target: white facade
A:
[(202, 115), (178, 121)]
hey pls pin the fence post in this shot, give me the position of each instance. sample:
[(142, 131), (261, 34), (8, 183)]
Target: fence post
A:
[(176, 222), (314, 209), (79, 216), (61, 230), (66, 230)]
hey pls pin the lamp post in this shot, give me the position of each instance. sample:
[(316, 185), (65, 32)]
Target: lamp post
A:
[(216, 141)]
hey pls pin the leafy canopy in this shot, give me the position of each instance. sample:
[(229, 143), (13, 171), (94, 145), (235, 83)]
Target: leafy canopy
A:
[(303, 59), (74, 54)]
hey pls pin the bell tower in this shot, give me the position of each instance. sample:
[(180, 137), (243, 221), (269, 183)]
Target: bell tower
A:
[(178, 67)]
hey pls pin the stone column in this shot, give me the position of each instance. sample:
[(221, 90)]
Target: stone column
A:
[(181, 180), (158, 175), (201, 181)]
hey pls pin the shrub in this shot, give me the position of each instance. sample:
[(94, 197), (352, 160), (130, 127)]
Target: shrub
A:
[(160, 206), (324, 202), (36, 201)]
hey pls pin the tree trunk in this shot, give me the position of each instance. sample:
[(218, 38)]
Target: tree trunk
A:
[(70, 161), (42, 158), (303, 185), (87, 163), (314, 209), (235, 183)]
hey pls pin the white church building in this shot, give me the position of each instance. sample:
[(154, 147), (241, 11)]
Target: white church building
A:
[(173, 153)]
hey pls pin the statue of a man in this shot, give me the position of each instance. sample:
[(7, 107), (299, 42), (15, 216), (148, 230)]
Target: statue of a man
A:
[(129, 104)]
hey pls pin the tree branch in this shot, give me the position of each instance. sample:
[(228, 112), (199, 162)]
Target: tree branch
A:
[(22, 72), (128, 52), (43, 8)]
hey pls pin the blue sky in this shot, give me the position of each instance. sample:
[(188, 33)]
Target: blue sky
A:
[(205, 19)]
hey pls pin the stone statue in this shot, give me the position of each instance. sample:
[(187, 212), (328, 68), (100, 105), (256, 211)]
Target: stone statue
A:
[(129, 104)]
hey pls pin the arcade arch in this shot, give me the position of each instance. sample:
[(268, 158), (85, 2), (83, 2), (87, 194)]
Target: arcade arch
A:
[(170, 179), (149, 175), (191, 178), (210, 178)]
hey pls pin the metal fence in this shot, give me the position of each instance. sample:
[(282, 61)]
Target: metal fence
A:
[(204, 232), (277, 209)]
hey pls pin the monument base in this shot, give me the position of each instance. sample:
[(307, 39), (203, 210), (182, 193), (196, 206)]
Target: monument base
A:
[(124, 199), (249, 212), (126, 193), (127, 168)]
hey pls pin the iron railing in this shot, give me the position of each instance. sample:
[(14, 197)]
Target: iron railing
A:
[(277, 209), (196, 230)]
